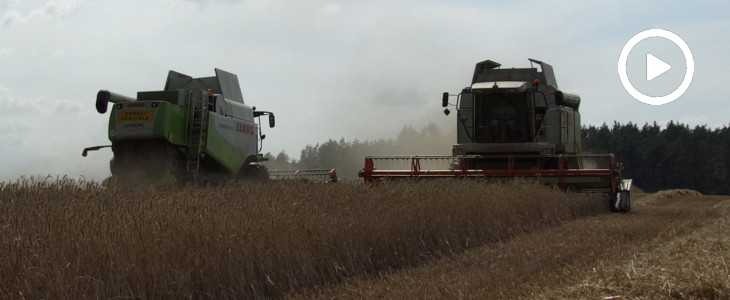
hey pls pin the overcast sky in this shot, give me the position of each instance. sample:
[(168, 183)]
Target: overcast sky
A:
[(328, 69)]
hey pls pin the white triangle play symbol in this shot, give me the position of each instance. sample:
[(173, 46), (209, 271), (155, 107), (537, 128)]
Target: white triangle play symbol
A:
[(655, 67)]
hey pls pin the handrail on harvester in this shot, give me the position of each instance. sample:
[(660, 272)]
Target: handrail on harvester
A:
[(371, 174)]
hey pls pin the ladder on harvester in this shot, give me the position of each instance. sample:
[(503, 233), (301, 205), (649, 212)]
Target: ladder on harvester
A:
[(196, 125)]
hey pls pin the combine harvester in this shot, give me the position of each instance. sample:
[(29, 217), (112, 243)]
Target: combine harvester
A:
[(195, 130), (514, 123)]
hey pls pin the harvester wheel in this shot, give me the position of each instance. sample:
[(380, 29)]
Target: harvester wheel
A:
[(255, 172), (214, 179), (622, 202)]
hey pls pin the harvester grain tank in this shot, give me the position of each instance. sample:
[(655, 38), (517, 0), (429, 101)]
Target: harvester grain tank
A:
[(515, 123), (195, 129)]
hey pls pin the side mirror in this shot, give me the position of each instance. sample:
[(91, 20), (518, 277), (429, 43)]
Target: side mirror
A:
[(445, 100), (272, 121)]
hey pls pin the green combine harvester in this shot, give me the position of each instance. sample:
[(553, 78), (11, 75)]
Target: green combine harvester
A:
[(194, 130), (514, 123)]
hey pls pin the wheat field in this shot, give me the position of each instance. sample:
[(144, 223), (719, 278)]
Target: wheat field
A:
[(672, 245), (65, 239)]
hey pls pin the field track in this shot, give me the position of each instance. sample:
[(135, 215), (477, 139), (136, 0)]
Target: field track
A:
[(673, 245)]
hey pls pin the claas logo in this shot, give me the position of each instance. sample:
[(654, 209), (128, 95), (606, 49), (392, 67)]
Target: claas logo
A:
[(245, 128)]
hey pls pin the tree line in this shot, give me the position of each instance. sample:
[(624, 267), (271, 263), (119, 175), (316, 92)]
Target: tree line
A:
[(655, 157), (675, 156)]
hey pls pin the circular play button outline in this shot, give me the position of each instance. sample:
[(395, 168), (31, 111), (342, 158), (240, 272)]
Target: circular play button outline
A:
[(689, 60)]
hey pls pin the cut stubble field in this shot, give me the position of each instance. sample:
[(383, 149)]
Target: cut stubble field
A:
[(438, 239)]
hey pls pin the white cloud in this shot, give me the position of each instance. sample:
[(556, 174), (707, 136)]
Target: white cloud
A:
[(5, 52), (12, 133), (11, 107), (693, 120), (42, 136), (59, 52), (53, 8), (14, 107), (332, 8)]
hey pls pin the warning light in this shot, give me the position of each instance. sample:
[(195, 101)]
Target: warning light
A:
[(536, 82)]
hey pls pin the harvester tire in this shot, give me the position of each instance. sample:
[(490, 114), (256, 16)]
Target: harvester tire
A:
[(214, 179), (255, 172), (622, 202)]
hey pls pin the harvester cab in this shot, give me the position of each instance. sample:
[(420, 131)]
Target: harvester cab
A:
[(196, 129), (516, 123), (507, 111)]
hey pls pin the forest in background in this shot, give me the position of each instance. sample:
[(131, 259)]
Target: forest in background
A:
[(655, 157), (673, 156)]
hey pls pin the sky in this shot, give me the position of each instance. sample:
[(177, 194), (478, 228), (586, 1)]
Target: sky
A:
[(330, 69)]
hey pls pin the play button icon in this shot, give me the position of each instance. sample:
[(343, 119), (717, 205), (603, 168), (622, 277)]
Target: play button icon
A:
[(655, 67)]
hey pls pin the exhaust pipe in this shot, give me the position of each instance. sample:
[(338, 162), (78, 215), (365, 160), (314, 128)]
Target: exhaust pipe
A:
[(103, 98)]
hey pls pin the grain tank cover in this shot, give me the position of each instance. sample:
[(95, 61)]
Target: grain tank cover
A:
[(224, 83), (488, 71)]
